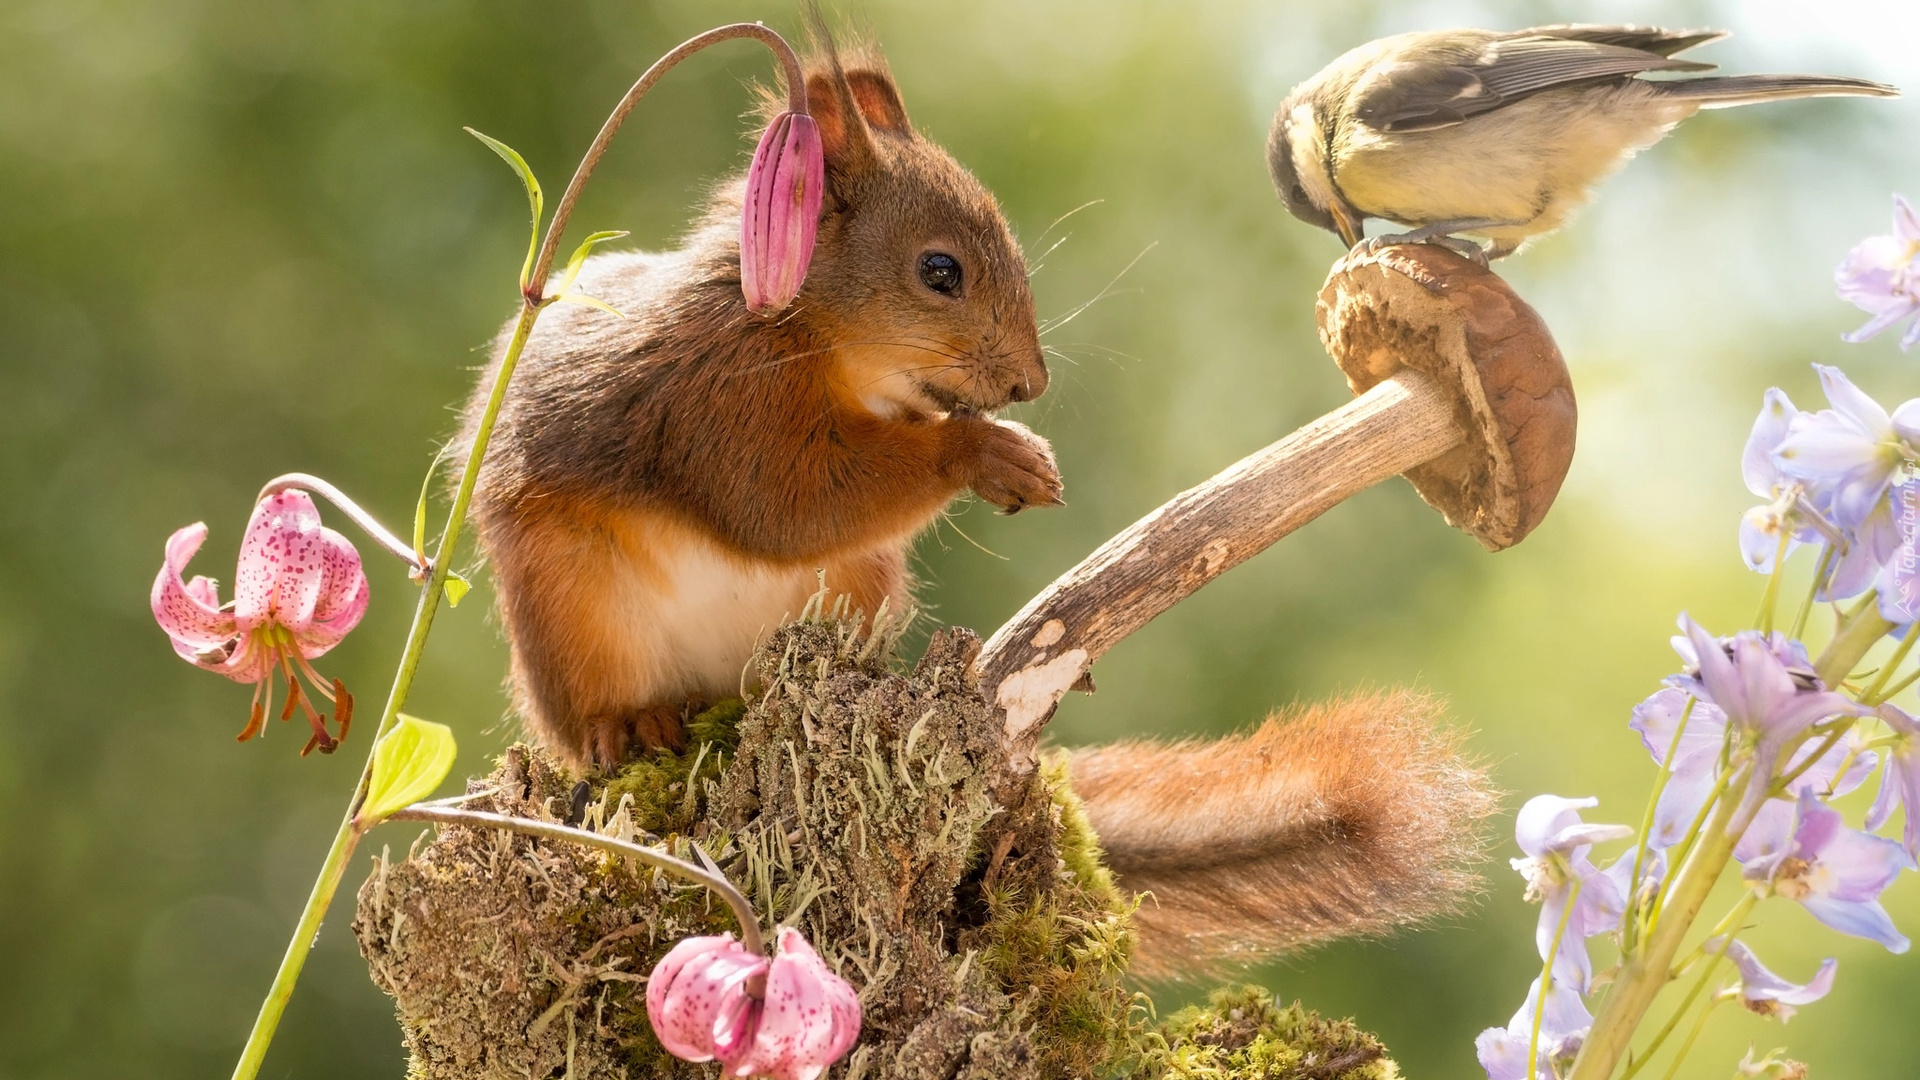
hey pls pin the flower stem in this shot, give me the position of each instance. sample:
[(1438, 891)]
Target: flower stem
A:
[(1642, 977), (533, 301), (743, 911), (1630, 923), (367, 522), (1813, 590), (1871, 697), (796, 102), (1546, 979), (1771, 597)]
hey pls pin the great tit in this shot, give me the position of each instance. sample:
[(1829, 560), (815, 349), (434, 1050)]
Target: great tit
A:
[(1494, 135)]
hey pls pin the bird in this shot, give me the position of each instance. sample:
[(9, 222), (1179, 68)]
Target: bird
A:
[(1492, 134)]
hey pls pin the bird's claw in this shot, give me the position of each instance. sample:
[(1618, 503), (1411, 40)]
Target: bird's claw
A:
[(1466, 249)]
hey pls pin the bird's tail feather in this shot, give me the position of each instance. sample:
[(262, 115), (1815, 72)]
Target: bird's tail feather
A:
[(1353, 817), (1725, 91)]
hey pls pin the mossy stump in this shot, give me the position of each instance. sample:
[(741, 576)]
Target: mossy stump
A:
[(850, 800)]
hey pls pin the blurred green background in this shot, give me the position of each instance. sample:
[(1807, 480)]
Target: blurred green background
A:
[(240, 238)]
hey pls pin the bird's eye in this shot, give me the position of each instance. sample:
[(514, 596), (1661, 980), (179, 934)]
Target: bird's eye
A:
[(1299, 195), (940, 272)]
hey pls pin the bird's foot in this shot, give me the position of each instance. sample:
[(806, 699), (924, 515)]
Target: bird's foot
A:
[(1441, 234)]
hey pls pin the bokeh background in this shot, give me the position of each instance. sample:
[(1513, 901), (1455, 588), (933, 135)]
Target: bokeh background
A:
[(239, 237)]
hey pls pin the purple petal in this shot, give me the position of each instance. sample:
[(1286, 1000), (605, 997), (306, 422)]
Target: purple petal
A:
[(1759, 984), (1756, 462), (1874, 541), (1658, 717), (1883, 319), (1861, 919), (1853, 403), (1906, 223), (1543, 817), (1760, 530), (1694, 773)]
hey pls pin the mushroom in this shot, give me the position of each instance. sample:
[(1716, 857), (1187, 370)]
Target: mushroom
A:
[(1460, 388)]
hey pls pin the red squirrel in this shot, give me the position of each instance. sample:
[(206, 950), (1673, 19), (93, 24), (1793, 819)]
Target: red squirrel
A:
[(662, 489)]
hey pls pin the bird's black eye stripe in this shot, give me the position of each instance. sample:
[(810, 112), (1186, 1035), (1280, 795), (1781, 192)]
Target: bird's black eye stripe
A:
[(940, 272)]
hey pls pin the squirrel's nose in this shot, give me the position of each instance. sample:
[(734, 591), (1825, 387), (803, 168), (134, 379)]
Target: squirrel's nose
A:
[(1028, 383)]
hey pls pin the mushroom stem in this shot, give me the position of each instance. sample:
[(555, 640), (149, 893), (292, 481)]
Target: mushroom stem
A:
[(1461, 388), (1030, 663)]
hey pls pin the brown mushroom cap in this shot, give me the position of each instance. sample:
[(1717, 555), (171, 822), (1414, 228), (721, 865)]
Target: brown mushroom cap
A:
[(1423, 307)]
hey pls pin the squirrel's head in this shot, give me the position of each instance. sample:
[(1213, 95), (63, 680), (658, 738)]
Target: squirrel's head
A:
[(916, 282)]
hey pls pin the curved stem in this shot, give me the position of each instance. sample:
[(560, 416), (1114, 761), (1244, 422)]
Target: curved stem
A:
[(1630, 923), (796, 102), (743, 911), (532, 301), (370, 525), (1546, 979)]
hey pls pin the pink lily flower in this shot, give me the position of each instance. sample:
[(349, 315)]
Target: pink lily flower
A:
[(781, 216), (710, 999), (299, 589)]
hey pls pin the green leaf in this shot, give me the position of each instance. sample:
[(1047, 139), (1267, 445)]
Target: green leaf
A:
[(534, 198), (590, 301), (408, 764), (420, 508), (580, 256), (456, 587)]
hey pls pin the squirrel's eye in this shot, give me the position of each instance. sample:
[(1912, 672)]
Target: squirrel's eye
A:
[(1299, 194), (940, 272)]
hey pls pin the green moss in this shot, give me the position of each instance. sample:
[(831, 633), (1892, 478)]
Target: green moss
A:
[(668, 794), (1062, 954), (1241, 1035)]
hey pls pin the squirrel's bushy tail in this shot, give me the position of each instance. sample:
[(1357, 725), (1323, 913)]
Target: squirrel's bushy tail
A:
[(1328, 820)]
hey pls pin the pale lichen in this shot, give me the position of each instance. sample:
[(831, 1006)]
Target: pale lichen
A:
[(853, 801)]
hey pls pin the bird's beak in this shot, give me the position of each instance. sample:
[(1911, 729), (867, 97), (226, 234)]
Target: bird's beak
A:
[(1347, 223)]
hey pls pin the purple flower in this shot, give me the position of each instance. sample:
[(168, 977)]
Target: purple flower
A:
[(1901, 784), (1846, 455), (1766, 689), (1767, 994), (1881, 276), (1563, 1027), (1898, 579), (1836, 873), (1556, 842), (1762, 526)]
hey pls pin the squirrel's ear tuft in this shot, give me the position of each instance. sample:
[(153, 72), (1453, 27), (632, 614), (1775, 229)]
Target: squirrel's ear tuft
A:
[(844, 139), (878, 100)]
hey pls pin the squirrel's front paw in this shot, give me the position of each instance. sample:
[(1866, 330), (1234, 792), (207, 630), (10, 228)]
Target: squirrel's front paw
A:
[(1013, 468)]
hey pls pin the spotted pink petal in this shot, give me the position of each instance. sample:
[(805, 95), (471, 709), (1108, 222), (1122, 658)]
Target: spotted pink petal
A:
[(343, 595), (189, 612), (282, 565), (694, 989), (812, 1016)]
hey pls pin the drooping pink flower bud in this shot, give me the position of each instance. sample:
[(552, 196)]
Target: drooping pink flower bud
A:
[(710, 999), (299, 589), (782, 212)]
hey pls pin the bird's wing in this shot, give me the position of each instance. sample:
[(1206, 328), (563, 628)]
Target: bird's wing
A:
[(1416, 95), (1651, 39)]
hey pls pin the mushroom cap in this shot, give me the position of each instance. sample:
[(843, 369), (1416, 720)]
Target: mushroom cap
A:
[(1423, 307)]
